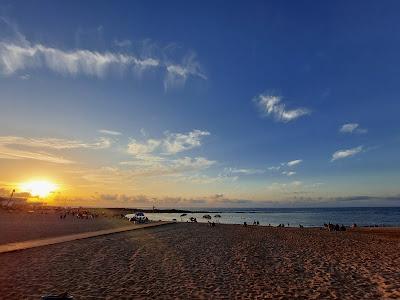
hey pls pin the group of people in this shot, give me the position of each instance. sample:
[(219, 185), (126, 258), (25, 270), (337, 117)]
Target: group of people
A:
[(79, 214), (337, 227), (255, 223)]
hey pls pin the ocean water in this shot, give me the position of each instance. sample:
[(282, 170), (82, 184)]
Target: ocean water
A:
[(308, 217)]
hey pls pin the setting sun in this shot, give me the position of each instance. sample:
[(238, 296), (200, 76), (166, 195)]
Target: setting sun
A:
[(40, 188)]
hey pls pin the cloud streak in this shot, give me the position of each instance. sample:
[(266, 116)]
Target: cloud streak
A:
[(15, 147), (178, 74), (272, 106), (109, 132), (294, 162), (288, 173), (18, 54), (352, 128)]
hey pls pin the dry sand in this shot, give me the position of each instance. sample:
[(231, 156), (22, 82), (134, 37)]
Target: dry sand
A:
[(18, 226), (197, 261)]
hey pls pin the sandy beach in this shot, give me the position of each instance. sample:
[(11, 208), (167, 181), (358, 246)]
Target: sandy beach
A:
[(187, 260), (18, 226)]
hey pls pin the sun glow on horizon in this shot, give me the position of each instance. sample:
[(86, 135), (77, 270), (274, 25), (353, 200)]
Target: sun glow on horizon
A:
[(39, 188)]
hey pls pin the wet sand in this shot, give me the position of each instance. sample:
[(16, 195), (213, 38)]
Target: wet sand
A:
[(197, 261)]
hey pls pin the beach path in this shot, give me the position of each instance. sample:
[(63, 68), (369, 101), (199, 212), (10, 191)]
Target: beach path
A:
[(10, 247)]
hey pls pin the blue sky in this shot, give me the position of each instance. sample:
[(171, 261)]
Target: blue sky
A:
[(210, 104)]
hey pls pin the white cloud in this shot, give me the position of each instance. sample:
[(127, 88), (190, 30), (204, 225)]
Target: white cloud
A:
[(152, 157), (346, 153), (294, 162), (288, 173), (172, 143), (352, 128), (143, 148), (110, 132), (178, 142), (272, 106)]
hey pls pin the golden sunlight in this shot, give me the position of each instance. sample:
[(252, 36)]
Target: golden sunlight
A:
[(40, 188)]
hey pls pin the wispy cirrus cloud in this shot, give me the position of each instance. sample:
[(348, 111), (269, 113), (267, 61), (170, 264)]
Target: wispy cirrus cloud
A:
[(109, 132), (54, 143), (16, 147), (272, 106), (352, 128), (14, 57), (177, 74), (18, 54), (346, 153), (235, 173), (288, 164), (123, 43), (6, 153)]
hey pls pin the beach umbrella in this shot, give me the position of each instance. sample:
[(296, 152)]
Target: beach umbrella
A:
[(183, 215), (207, 217)]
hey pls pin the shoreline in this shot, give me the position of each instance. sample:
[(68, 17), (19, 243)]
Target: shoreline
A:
[(23, 226)]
